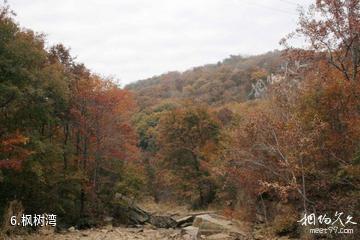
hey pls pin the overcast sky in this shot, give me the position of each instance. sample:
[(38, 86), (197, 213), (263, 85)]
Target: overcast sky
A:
[(136, 39)]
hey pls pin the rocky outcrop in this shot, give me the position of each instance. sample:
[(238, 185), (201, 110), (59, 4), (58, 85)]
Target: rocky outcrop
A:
[(128, 213), (213, 224), (185, 221)]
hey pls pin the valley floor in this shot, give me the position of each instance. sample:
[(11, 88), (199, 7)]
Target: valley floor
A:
[(200, 231), (121, 233), (106, 233)]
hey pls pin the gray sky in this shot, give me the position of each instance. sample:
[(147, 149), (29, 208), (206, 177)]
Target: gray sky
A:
[(136, 39)]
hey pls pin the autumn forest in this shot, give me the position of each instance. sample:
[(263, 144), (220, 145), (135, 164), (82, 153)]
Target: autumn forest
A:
[(263, 139)]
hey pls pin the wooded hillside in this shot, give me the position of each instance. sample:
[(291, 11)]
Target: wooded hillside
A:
[(215, 84), (263, 139)]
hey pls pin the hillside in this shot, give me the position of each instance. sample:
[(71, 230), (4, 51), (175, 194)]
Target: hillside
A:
[(262, 147), (227, 81)]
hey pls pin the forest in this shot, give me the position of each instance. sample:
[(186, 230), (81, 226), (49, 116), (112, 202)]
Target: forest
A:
[(264, 139)]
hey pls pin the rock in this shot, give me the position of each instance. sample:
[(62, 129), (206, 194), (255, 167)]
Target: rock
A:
[(128, 213), (149, 226), (174, 235), (209, 225), (219, 236), (192, 231), (257, 235), (185, 221), (187, 237), (213, 224), (260, 218), (71, 229), (108, 219), (202, 213), (185, 225), (163, 221)]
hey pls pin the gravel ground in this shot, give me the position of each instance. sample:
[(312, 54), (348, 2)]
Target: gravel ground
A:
[(107, 233)]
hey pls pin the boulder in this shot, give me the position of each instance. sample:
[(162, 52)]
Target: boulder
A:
[(209, 225), (71, 229), (187, 237), (108, 219), (175, 234), (191, 231), (214, 224), (163, 221), (185, 221), (126, 212)]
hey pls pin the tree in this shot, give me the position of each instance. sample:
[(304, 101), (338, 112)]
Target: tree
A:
[(65, 136), (188, 140), (146, 123), (105, 140), (333, 27)]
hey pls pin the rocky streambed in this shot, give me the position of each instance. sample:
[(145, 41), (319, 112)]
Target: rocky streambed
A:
[(191, 227)]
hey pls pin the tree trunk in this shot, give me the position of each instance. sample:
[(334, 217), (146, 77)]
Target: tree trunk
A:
[(82, 194), (66, 137)]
